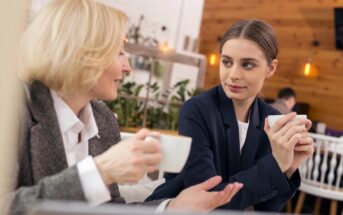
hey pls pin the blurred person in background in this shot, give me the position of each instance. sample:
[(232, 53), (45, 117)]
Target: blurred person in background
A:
[(286, 100), (70, 147)]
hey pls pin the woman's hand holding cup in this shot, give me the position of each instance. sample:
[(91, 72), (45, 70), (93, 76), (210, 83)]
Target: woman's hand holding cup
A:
[(284, 135), (129, 160)]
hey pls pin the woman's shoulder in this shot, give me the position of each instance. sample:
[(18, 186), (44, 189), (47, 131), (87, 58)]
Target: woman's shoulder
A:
[(206, 99), (204, 105), (106, 121), (103, 114), (100, 108)]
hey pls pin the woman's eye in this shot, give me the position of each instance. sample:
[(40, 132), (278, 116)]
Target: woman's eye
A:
[(248, 65), (226, 62)]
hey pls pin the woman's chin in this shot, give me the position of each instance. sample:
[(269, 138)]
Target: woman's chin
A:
[(112, 97), (234, 96), (108, 97)]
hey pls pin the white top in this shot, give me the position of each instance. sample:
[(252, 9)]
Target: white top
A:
[(243, 130), (77, 152)]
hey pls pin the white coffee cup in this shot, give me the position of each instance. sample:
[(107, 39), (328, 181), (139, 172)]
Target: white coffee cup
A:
[(175, 151), (273, 118)]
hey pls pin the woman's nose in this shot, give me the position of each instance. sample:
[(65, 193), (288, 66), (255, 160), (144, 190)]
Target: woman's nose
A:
[(126, 66), (235, 73)]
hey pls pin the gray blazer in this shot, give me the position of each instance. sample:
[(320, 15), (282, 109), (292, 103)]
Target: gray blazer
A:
[(43, 171)]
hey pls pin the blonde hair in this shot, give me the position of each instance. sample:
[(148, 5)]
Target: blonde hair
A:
[(70, 43)]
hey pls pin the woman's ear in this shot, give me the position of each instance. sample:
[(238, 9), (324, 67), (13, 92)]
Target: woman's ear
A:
[(272, 68)]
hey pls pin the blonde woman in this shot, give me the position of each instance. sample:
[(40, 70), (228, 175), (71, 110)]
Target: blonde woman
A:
[(70, 149)]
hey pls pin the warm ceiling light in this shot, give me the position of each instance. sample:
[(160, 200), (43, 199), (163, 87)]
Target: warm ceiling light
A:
[(213, 59), (165, 47), (310, 70), (307, 70)]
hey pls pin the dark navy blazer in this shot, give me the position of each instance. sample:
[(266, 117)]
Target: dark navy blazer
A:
[(211, 121)]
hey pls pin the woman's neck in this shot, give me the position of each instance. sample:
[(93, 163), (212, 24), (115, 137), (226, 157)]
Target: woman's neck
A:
[(76, 103), (242, 109)]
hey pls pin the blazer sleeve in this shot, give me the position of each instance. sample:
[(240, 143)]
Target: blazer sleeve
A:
[(279, 201), (64, 186), (262, 181)]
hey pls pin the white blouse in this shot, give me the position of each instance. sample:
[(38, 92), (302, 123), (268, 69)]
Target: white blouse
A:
[(243, 130)]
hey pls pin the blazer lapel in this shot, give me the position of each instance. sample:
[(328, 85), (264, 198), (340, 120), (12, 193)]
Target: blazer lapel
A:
[(47, 149), (108, 131), (108, 136), (231, 129), (252, 140)]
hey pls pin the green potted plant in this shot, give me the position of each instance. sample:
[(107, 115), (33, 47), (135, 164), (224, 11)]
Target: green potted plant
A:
[(163, 107)]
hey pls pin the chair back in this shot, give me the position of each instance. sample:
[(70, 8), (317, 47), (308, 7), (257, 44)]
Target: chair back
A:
[(321, 174)]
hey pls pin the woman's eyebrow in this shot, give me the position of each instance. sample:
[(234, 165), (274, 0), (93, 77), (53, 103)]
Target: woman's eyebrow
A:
[(243, 59), (226, 56), (249, 59)]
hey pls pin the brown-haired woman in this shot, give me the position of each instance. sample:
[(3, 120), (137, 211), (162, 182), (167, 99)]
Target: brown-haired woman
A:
[(231, 137)]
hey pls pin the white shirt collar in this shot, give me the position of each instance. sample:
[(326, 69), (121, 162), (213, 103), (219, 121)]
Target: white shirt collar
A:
[(87, 117), (68, 120)]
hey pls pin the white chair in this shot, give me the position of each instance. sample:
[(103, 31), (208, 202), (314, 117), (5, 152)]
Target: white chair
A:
[(321, 175)]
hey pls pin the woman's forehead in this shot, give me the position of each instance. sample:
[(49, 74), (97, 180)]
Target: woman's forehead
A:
[(242, 48)]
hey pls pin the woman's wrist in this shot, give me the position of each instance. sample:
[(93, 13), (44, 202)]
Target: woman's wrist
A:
[(282, 167), (289, 172), (100, 163)]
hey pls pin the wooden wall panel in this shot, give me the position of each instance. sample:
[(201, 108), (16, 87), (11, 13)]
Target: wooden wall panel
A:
[(298, 23)]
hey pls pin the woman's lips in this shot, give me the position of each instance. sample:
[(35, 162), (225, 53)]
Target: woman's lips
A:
[(235, 88), (119, 80)]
